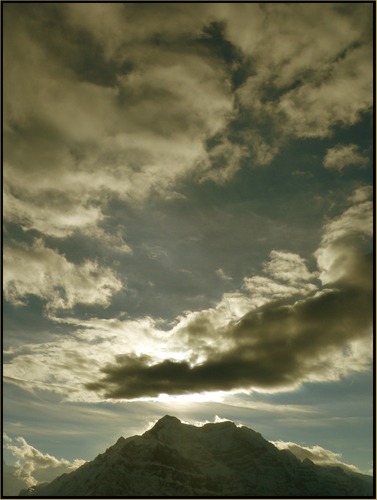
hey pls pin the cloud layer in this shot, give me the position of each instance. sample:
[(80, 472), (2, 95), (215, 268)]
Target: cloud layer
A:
[(121, 103)]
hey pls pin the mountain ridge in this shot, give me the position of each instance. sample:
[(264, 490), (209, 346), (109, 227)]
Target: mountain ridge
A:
[(217, 459)]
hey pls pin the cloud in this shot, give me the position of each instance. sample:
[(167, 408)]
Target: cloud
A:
[(38, 270), (51, 212), (343, 155), (120, 104), (223, 161), (345, 250), (316, 454), (73, 144), (33, 466), (149, 128), (307, 76), (221, 274), (114, 26), (287, 266), (315, 108), (285, 275), (115, 240), (278, 331), (11, 484), (281, 344), (308, 40), (64, 365)]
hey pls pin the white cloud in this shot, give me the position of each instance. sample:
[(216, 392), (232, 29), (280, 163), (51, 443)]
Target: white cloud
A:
[(343, 155), (316, 454), (287, 266), (58, 217), (41, 271), (221, 274), (363, 193), (33, 466), (286, 274), (339, 252), (263, 289)]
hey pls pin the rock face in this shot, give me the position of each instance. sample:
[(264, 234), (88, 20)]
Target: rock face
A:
[(179, 460)]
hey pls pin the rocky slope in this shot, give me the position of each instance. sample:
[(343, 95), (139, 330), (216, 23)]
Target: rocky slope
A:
[(179, 460)]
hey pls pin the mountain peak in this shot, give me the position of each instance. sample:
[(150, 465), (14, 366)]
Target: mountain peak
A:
[(168, 419), (215, 460), (166, 422)]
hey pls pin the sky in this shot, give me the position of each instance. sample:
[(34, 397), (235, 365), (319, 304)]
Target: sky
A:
[(188, 226)]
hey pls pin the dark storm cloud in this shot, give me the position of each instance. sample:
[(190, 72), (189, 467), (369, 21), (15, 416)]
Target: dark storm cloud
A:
[(278, 345), (319, 337)]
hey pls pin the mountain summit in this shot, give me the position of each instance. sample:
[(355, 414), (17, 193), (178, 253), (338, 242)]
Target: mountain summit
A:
[(180, 460)]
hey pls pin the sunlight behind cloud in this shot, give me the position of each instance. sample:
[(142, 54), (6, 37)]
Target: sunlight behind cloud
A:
[(188, 219)]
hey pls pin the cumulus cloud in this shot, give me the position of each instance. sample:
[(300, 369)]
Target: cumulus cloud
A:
[(280, 344), (342, 156), (38, 270), (33, 466), (316, 454)]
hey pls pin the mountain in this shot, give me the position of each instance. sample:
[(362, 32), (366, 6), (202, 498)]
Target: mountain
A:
[(179, 460)]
